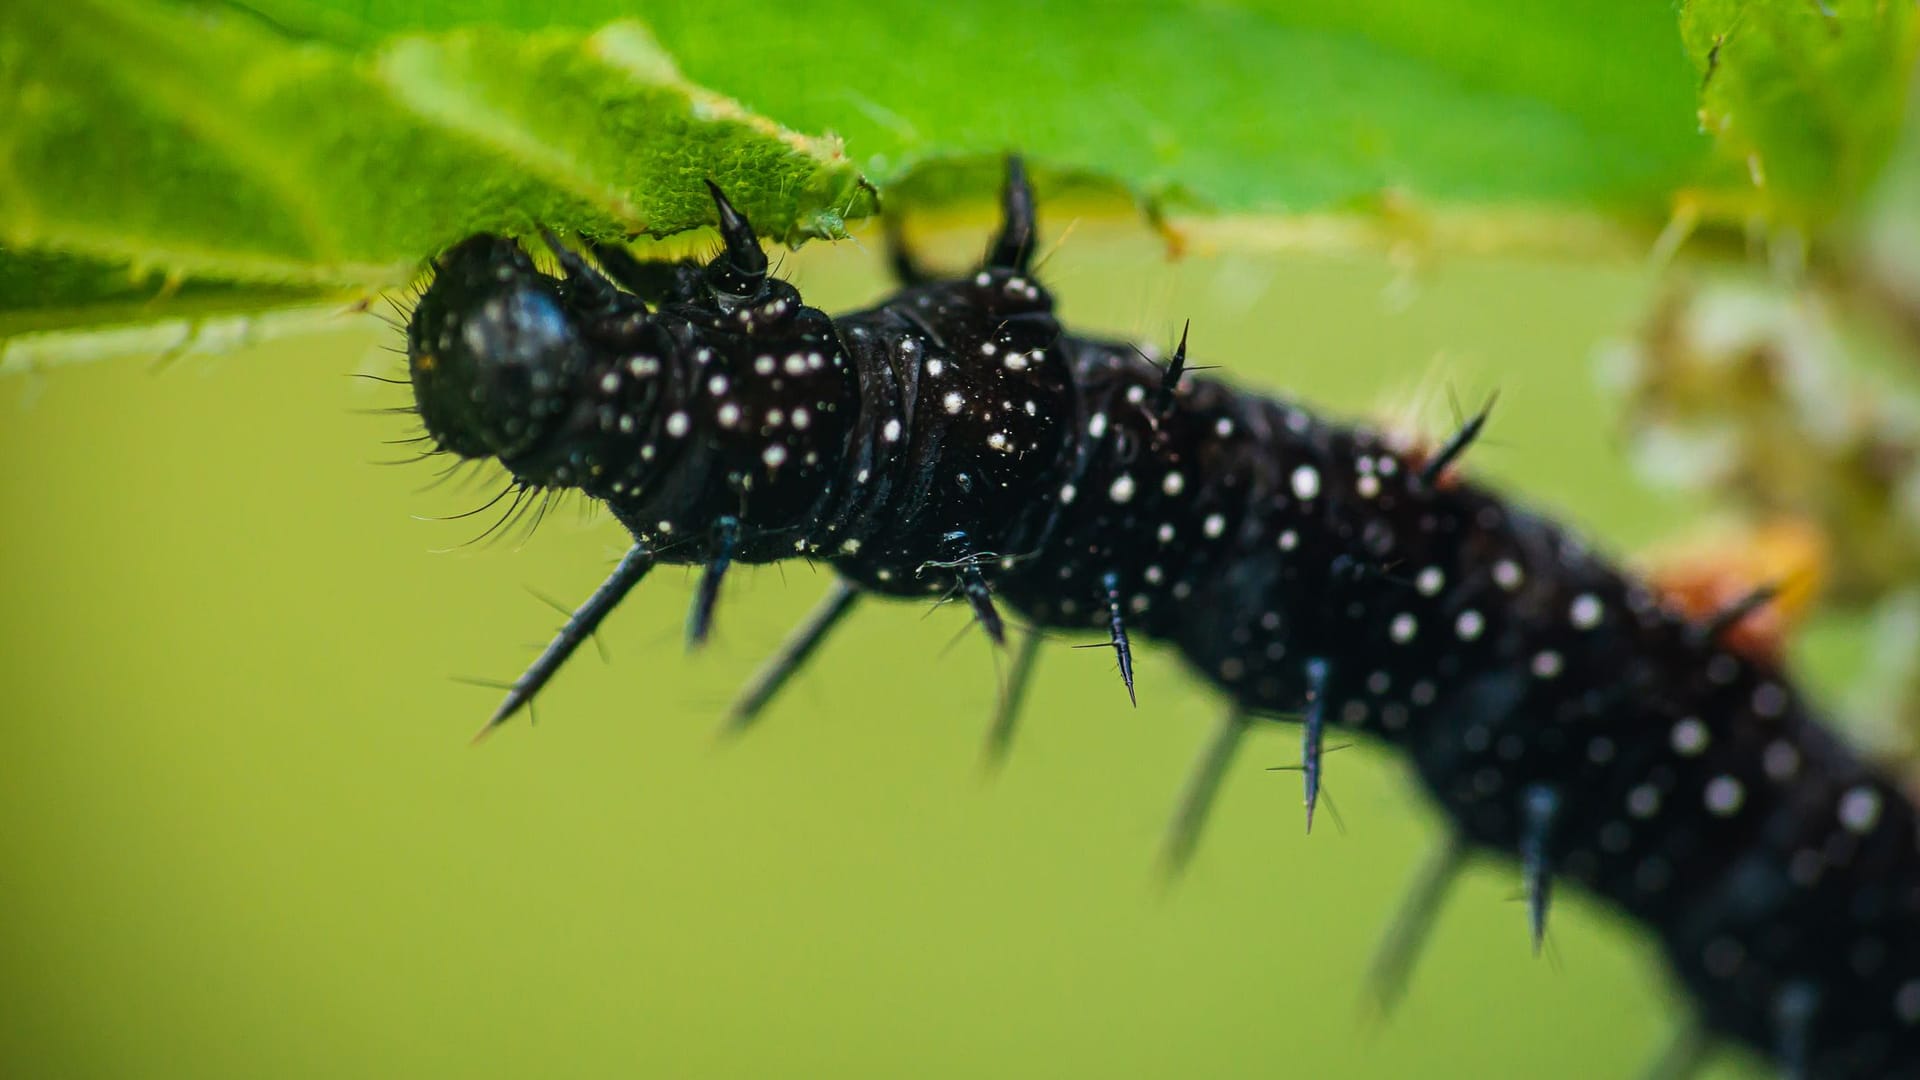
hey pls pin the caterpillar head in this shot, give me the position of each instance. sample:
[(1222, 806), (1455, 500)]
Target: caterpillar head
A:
[(494, 351), (678, 391)]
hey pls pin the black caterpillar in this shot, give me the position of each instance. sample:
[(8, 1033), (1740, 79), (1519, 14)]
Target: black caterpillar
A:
[(955, 439)]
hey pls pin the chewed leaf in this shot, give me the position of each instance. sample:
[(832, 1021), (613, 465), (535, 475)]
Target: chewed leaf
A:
[(608, 120), (201, 143)]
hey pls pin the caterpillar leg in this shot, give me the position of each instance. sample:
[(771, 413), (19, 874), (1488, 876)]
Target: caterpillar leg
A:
[(1313, 730), (585, 284), (1013, 248), (726, 537), (973, 586), (1203, 787), (633, 566), (793, 652), (964, 561), (1007, 716), (655, 281), (1539, 811), (1399, 947)]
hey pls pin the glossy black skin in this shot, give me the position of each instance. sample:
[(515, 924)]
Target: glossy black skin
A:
[(1548, 701)]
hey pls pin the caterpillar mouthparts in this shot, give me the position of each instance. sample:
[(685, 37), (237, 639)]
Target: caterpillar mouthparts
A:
[(956, 439)]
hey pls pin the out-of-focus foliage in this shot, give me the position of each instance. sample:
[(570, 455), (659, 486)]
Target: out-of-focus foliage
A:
[(1806, 95)]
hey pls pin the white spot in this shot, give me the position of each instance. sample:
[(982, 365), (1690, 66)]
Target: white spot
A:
[(1289, 539), (1690, 737), (1214, 525), (1368, 485), (1469, 625), (864, 475), (850, 546), (610, 381), (999, 441), (1586, 611), (643, 365), (1223, 427), (1067, 494), (796, 364), (987, 348), (1165, 532), (935, 367), (1403, 627), (1780, 760), (1430, 581), (1016, 361), (1097, 425), (775, 417), (1907, 1002), (1506, 574), (816, 361), (663, 526), (1643, 801), (1136, 394), (627, 424), (763, 365), (891, 432), (1306, 482), (1546, 664), (1173, 483), (677, 424), (729, 414), (717, 385), (953, 402), (1724, 795), (1122, 489), (774, 455), (1155, 575), (1860, 809), (801, 418)]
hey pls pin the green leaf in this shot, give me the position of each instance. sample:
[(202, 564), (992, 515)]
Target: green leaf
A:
[(330, 147), (1804, 96), (207, 145), (1265, 107)]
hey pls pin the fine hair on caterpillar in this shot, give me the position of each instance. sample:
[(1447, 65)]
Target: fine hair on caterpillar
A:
[(956, 440)]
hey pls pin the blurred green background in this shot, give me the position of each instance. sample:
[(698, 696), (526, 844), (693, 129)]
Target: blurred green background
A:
[(245, 835)]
